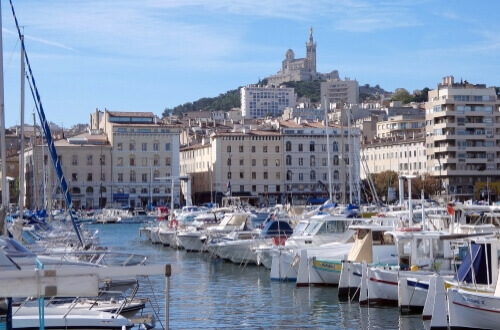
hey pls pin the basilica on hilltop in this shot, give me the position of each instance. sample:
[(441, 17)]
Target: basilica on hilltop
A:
[(300, 69)]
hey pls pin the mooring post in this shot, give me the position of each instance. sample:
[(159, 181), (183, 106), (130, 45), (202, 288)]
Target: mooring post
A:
[(168, 272)]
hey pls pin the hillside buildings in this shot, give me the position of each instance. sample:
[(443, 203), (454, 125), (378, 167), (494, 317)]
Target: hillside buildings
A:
[(130, 158)]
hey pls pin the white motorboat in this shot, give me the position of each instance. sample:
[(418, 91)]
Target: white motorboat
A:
[(196, 240), (238, 246), (64, 319), (322, 229)]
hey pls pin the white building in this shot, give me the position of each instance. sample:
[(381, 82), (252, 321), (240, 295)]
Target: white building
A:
[(259, 101)]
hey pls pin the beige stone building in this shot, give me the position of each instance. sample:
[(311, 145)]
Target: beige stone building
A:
[(278, 162), (125, 159)]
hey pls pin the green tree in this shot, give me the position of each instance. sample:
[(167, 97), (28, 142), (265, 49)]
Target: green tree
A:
[(402, 95)]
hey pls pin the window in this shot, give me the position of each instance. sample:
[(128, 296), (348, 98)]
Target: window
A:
[(301, 147), (288, 146), (102, 160), (253, 148), (241, 148), (119, 146), (254, 188), (301, 176), (242, 175), (120, 177), (132, 161), (264, 162), (156, 146), (277, 148), (229, 161), (144, 146), (156, 161), (74, 177), (289, 175), (167, 161), (144, 177), (144, 161), (89, 160), (229, 175), (311, 146), (89, 176), (265, 175), (74, 160), (241, 162), (132, 176), (131, 146), (278, 175), (324, 161), (266, 188), (335, 146), (278, 188), (167, 146), (301, 161), (288, 160), (312, 176), (119, 161), (254, 162), (277, 162), (335, 160), (228, 148), (312, 161), (264, 149), (254, 175)]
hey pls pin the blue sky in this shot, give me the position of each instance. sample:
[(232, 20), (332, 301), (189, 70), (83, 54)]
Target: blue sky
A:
[(147, 55)]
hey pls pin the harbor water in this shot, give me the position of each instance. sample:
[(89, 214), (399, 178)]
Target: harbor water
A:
[(211, 294)]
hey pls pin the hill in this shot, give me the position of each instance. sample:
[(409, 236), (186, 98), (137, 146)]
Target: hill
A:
[(231, 99)]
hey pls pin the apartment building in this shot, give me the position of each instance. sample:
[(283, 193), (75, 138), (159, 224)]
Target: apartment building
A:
[(463, 135), (261, 101), (333, 91)]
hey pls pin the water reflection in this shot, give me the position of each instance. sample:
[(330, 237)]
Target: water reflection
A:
[(211, 294)]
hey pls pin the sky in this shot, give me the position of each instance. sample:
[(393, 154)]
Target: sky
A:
[(148, 55)]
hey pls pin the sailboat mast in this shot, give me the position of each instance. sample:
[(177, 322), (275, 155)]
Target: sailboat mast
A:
[(3, 142), (342, 153), (328, 152), (21, 153)]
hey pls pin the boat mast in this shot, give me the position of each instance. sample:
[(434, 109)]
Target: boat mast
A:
[(3, 143), (48, 135), (328, 152), (21, 152)]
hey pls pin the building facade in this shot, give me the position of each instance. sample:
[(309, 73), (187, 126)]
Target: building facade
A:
[(333, 91), (285, 161), (463, 135), (262, 101)]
